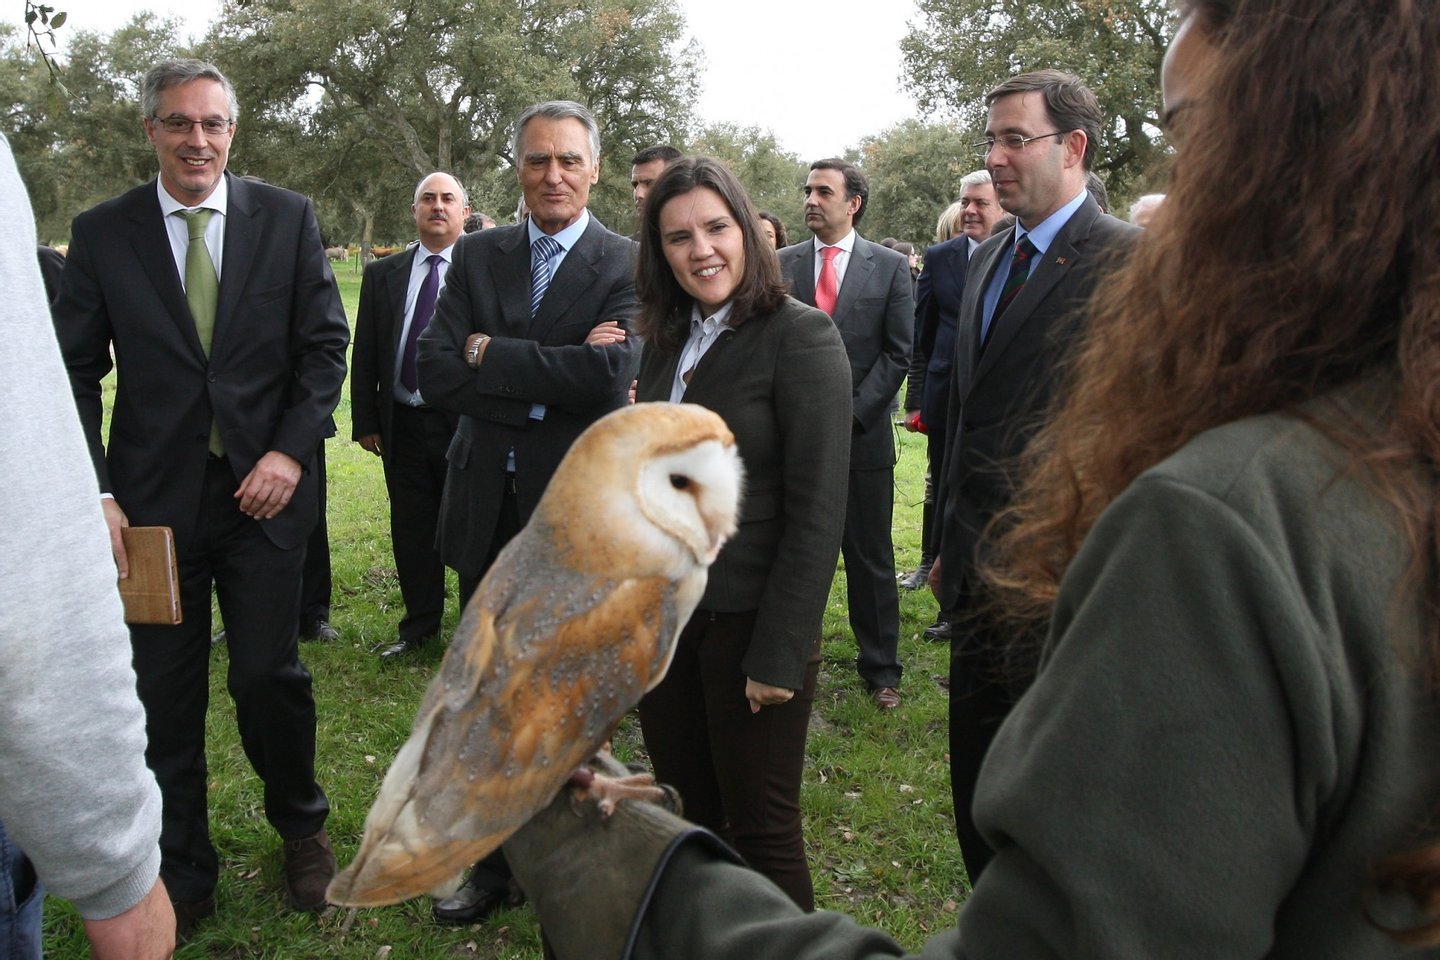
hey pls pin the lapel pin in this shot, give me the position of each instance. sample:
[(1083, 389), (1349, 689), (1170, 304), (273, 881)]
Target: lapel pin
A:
[(1059, 261)]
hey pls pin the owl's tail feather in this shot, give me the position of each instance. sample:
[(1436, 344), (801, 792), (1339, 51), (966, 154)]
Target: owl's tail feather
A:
[(400, 857)]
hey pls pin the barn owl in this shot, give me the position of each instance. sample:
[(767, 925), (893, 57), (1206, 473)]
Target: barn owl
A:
[(576, 620)]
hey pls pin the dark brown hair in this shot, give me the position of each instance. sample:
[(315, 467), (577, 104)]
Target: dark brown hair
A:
[(779, 226), (661, 151), (1298, 251), (664, 305), (1070, 104)]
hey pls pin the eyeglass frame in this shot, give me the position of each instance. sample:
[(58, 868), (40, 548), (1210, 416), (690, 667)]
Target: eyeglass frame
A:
[(983, 147), (164, 124)]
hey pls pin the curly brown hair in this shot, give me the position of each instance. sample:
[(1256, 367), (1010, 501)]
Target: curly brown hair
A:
[(1298, 250)]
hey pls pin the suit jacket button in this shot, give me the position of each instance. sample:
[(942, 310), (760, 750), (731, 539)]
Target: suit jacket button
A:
[(210, 377)]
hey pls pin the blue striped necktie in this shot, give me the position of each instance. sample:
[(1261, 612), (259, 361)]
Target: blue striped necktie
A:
[(540, 253)]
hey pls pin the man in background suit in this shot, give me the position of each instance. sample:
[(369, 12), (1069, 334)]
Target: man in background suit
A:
[(645, 169), (391, 419), (1024, 303), (927, 391), (528, 347), (867, 292), (52, 264), (216, 297)]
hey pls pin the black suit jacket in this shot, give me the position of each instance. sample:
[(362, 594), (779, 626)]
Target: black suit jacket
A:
[(937, 310), (52, 265), (544, 360), (276, 365), (782, 385), (378, 325), (874, 312), (999, 394)]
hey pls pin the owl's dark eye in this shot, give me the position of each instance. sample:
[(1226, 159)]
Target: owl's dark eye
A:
[(679, 481)]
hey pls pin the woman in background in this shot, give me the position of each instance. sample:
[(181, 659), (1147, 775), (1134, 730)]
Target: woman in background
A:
[(773, 229), (948, 226)]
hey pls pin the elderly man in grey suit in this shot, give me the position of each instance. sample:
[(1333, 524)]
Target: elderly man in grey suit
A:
[(1023, 304), (866, 289), (212, 298), (528, 347)]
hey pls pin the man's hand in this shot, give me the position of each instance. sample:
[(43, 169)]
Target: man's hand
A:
[(763, 695), (371, 442), (144, 932), (914, 423), (605, 334), (934, 579), (116, 520), (268, 488)]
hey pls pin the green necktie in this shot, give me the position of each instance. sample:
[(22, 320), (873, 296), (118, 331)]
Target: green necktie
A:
[(202, 291)]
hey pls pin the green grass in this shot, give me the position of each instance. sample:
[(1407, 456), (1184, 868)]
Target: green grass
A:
[(876, 795)]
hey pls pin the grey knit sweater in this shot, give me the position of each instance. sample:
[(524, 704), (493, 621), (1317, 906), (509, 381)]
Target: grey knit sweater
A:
[(74, 789)]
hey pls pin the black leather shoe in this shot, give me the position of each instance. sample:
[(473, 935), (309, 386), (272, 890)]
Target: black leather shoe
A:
[(939, 630), (188, 916), (320, 630), (917, 579), (398, 649), (472, 903)]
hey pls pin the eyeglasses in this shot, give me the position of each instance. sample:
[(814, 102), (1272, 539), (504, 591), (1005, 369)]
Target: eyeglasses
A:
[(181, 126), (1011, 142)]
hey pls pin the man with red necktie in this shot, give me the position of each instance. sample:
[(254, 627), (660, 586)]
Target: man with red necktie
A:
[(866, 290)]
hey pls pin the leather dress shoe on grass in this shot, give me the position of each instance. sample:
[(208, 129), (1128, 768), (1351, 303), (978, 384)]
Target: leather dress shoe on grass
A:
[(885, 698), (188, 916), (472, 903), (320, 630), (939, 630), (397, 650), (309, 868), (917, 579)]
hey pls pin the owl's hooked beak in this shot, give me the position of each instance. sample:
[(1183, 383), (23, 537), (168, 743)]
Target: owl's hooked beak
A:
[(718, 539)]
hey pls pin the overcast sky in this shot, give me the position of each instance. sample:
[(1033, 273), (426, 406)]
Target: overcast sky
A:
[(741, 83)]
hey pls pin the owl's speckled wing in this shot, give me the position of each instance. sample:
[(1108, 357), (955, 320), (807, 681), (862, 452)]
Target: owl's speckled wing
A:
[(543, 666)]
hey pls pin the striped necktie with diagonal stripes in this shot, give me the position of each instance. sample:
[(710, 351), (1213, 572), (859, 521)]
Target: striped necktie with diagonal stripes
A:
[(540, 253)]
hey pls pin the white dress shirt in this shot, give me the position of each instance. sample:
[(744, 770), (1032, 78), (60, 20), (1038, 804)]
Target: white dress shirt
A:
[(179, 231), (842, 259)]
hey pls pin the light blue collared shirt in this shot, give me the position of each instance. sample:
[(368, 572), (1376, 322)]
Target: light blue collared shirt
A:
[(567, 238), (1042, 236)]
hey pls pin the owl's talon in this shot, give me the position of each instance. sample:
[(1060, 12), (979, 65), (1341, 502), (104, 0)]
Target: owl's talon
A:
[(606, 792)]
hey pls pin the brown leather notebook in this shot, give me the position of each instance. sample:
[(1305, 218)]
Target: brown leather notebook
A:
[(151, 593)]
